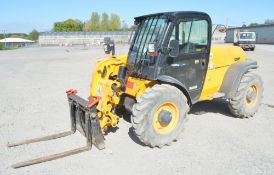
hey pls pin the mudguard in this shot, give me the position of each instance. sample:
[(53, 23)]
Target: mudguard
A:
[(181, 86), (234, 75)]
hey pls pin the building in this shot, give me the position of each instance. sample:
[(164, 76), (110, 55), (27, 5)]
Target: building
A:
[(264, 33), (16, 42), (81, 38), (97, 38)]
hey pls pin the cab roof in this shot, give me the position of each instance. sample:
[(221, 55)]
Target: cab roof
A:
[(177, 14)]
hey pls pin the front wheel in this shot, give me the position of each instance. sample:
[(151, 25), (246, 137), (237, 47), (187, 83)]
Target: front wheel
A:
[(248, 96), (159, 115)]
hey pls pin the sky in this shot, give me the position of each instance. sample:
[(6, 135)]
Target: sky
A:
[(26, 15)]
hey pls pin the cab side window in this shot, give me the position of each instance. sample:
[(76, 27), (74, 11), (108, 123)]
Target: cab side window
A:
[(192, 36)]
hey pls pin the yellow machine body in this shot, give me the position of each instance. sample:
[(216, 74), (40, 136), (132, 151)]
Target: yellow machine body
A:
[(106, 70), (221, 58), (104, 76)]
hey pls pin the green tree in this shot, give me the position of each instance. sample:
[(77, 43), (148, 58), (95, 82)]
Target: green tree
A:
[(34, 35), (69, 25), (58, 27), (269, 21), (115, 22), (87, 26), (254, 24), (1, 46), (105, 22), (93, 24), (17, 35)]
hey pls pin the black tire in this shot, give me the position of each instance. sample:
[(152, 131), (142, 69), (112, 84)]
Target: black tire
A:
[(242, 105), (145, 108)]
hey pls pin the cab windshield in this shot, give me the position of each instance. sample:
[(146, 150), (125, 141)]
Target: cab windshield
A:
[(149, 30), (247, 36)]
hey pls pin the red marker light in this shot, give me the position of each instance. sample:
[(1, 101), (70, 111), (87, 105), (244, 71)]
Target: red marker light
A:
[(129, 84)]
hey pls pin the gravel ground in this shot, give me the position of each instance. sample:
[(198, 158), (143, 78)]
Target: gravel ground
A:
[(33, 103)]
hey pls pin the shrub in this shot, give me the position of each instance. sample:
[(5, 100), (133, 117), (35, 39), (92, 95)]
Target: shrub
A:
[(1, 46)]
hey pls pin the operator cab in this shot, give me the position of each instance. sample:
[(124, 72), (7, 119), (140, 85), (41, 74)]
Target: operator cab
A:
[(172, 47)]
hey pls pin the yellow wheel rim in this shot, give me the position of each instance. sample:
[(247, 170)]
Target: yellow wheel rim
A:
[(252, 95), (173, 111)]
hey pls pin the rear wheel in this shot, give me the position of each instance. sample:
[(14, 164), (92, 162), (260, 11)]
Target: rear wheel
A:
[(248, 96), (159, 115)]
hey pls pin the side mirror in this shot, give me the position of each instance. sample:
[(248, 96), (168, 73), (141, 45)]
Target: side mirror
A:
[(174, 48), (221, 28)]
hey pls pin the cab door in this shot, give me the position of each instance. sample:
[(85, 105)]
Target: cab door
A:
[(190, 66)]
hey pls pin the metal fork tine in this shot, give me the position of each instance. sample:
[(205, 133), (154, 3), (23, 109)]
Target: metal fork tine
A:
[(44, 138), (92, 132), (62, 154), (52, 157)]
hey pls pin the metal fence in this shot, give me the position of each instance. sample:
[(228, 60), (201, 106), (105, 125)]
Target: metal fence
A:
[(82, 38)]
